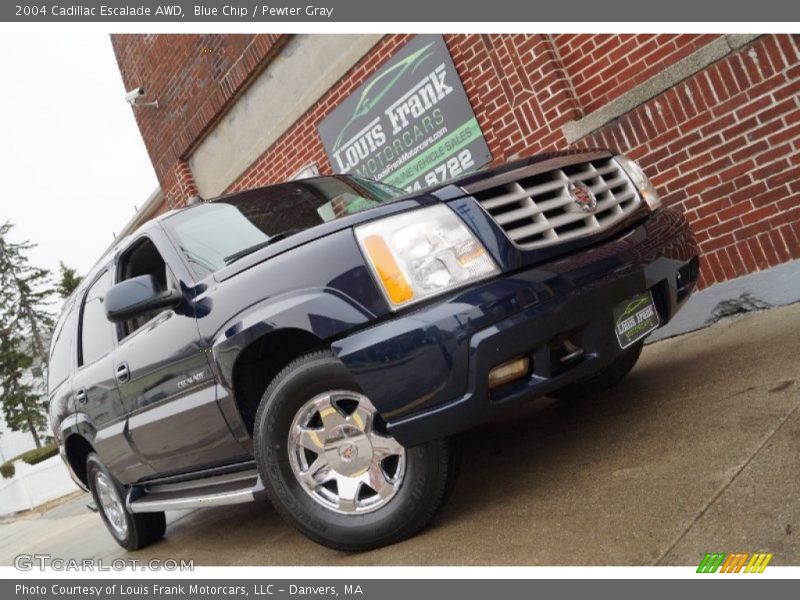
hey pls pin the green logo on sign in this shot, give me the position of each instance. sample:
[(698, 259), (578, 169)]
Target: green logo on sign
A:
[(633, 306), (370, 97)]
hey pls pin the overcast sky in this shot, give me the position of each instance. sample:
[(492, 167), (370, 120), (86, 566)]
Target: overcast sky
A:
[(72, 161)]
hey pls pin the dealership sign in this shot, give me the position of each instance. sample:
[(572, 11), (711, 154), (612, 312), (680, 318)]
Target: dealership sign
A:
[(410, 125)]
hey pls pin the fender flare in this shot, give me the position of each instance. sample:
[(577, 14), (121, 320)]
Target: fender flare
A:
[(322, 312)]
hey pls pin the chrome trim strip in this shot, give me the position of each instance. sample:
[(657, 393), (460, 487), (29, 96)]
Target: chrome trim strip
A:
[(244, 465), (534, 169), (223, 498), (204, 482)]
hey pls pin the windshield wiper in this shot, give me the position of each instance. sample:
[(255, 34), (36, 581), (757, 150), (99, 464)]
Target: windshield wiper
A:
[(250, 249)]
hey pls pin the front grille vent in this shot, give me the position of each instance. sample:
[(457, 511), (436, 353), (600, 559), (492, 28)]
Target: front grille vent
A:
[(537, 210)]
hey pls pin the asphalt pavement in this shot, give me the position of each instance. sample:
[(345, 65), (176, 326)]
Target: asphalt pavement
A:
[(696, 451)]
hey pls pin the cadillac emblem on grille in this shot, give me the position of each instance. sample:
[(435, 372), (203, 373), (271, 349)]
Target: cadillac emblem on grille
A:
[(582, 196)]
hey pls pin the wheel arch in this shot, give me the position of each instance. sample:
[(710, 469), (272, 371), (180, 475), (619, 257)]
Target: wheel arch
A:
[(253, 347), (261, 360), (76, 450)]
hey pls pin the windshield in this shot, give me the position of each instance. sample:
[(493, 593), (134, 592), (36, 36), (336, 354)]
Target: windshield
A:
[(227, 229)]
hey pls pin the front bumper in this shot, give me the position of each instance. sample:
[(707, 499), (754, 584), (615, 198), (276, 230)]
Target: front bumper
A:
[(426, 370)]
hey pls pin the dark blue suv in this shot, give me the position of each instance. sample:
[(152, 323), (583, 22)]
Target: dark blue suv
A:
[(317, 342)]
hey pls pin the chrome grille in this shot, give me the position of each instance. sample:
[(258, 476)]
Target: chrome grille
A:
[(536, 209)]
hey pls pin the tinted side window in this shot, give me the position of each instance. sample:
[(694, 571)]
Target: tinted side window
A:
[(61, 354), (143, 259), (95, 327)]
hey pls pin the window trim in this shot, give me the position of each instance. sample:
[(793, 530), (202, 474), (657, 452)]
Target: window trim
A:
[(80, 362), (121, 336), (179, 258), (67, 313)]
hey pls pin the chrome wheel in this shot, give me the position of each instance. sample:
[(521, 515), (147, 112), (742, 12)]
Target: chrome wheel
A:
[(111, 504), (341, 454)]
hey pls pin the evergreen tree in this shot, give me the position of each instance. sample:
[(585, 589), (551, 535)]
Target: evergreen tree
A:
[(30, 289), (25, 326), (22, 405), (68, 280)]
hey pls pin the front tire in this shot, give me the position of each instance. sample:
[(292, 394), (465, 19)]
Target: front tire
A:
[(130, 530), (332, 470)]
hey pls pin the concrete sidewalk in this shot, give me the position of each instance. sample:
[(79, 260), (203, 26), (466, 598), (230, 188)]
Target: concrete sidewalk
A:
[(696, 451)]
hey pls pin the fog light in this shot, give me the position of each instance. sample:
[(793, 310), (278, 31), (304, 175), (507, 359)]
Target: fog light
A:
[(508, 371)]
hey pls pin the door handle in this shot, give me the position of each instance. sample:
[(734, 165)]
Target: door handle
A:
[(123, 373), (81, 396)]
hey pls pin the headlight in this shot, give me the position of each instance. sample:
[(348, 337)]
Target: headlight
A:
[(422, 253), (640, 180)]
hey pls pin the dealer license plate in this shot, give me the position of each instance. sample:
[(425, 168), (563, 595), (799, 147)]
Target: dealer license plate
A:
[(635, 318)]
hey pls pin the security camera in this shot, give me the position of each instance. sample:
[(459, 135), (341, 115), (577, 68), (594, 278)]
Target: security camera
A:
[(136, 98), (134, 95)]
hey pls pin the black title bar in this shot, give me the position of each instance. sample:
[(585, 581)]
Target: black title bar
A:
[(454, 11)]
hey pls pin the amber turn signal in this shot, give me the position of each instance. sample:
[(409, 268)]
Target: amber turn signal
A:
[(394, 282)]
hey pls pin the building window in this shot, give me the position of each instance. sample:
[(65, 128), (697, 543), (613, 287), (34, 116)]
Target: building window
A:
[(311, 170)]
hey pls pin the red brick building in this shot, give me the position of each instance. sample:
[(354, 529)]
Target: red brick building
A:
[(714, 119)]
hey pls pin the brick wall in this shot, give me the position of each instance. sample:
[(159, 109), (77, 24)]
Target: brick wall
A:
[(503, 77), (194, 78), (604, 66), (300, 145), (723, 145)]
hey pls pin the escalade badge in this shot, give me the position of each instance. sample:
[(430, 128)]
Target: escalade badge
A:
[(192, 379), (582, 196)]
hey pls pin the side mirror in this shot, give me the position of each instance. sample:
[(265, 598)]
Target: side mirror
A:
[(137, 296)]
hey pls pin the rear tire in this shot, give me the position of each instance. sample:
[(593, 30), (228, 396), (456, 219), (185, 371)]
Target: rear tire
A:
[(602, 380), (130, 530), (321, 465)]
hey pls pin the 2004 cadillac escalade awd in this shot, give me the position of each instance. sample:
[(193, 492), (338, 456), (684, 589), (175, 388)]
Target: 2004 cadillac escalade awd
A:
[(317, 342)]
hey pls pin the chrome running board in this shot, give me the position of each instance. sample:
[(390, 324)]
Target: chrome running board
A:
[(220, 490)]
